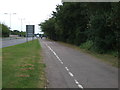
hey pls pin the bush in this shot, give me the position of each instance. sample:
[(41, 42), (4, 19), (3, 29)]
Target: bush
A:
[(5, 30), (87, 45)]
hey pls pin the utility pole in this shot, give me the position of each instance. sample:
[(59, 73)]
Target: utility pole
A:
[(10, 19), (21, 19)]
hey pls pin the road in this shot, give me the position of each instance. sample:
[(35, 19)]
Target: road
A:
[(6, 43), (70, 68)]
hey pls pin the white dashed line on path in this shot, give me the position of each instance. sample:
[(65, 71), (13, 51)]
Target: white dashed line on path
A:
[(67, 68), (80, 86), (61, 62), (54, 54), (70, 73)]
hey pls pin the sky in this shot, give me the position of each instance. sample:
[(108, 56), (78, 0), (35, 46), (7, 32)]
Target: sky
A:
[(26, 12)]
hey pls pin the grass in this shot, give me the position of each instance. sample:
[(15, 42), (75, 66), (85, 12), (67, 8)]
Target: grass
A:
[(108, 58), (0, 68), (22, 66)]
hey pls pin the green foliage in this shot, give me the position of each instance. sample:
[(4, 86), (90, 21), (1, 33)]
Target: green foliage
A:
[(5, 30), (87, 45), (22, 66), (91, 25), (49, 28), (16, 32), (101, 30)]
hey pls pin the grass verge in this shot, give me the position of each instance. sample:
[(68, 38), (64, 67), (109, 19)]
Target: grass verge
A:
[(22, 66), (108, 58), (0, 68)]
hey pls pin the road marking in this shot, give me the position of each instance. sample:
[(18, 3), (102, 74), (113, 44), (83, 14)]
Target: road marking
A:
[(55, 54), (80, 86), (76, 81), (71, 74), (66, 68), (61, 62)]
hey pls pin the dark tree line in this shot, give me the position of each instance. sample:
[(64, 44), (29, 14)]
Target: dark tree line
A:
[(93, 25), (5, 30), (19, 33)]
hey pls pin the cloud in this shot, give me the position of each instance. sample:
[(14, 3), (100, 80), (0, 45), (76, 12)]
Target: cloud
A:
[(34, 11)]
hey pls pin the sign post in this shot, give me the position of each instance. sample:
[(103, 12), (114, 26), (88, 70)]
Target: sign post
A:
[(30, 31)]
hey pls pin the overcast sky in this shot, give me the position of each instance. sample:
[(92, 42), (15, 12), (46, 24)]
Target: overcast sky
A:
[(31, 11)]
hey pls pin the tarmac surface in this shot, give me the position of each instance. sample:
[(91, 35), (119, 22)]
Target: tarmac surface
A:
[(8, 42), (70, 68)]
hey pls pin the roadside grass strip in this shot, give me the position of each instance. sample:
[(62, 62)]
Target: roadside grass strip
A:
[(22, 66), (0, 67)]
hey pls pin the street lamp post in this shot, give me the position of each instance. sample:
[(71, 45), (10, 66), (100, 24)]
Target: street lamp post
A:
[(10, 19), (21, 24)]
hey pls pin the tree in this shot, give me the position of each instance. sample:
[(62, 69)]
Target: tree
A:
[(5, 30), (48, 27), (78, 23), (102, 29)]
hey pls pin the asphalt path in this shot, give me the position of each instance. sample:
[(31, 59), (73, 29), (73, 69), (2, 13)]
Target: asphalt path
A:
[(6, 43), (70, 68)]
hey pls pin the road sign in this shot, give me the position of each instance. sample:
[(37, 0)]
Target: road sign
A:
[(30, 30)]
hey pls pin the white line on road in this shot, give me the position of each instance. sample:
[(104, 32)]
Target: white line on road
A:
[(76, 81), (66, 68), (61, 62), (54, 54), (80, 86), (71, 74)]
